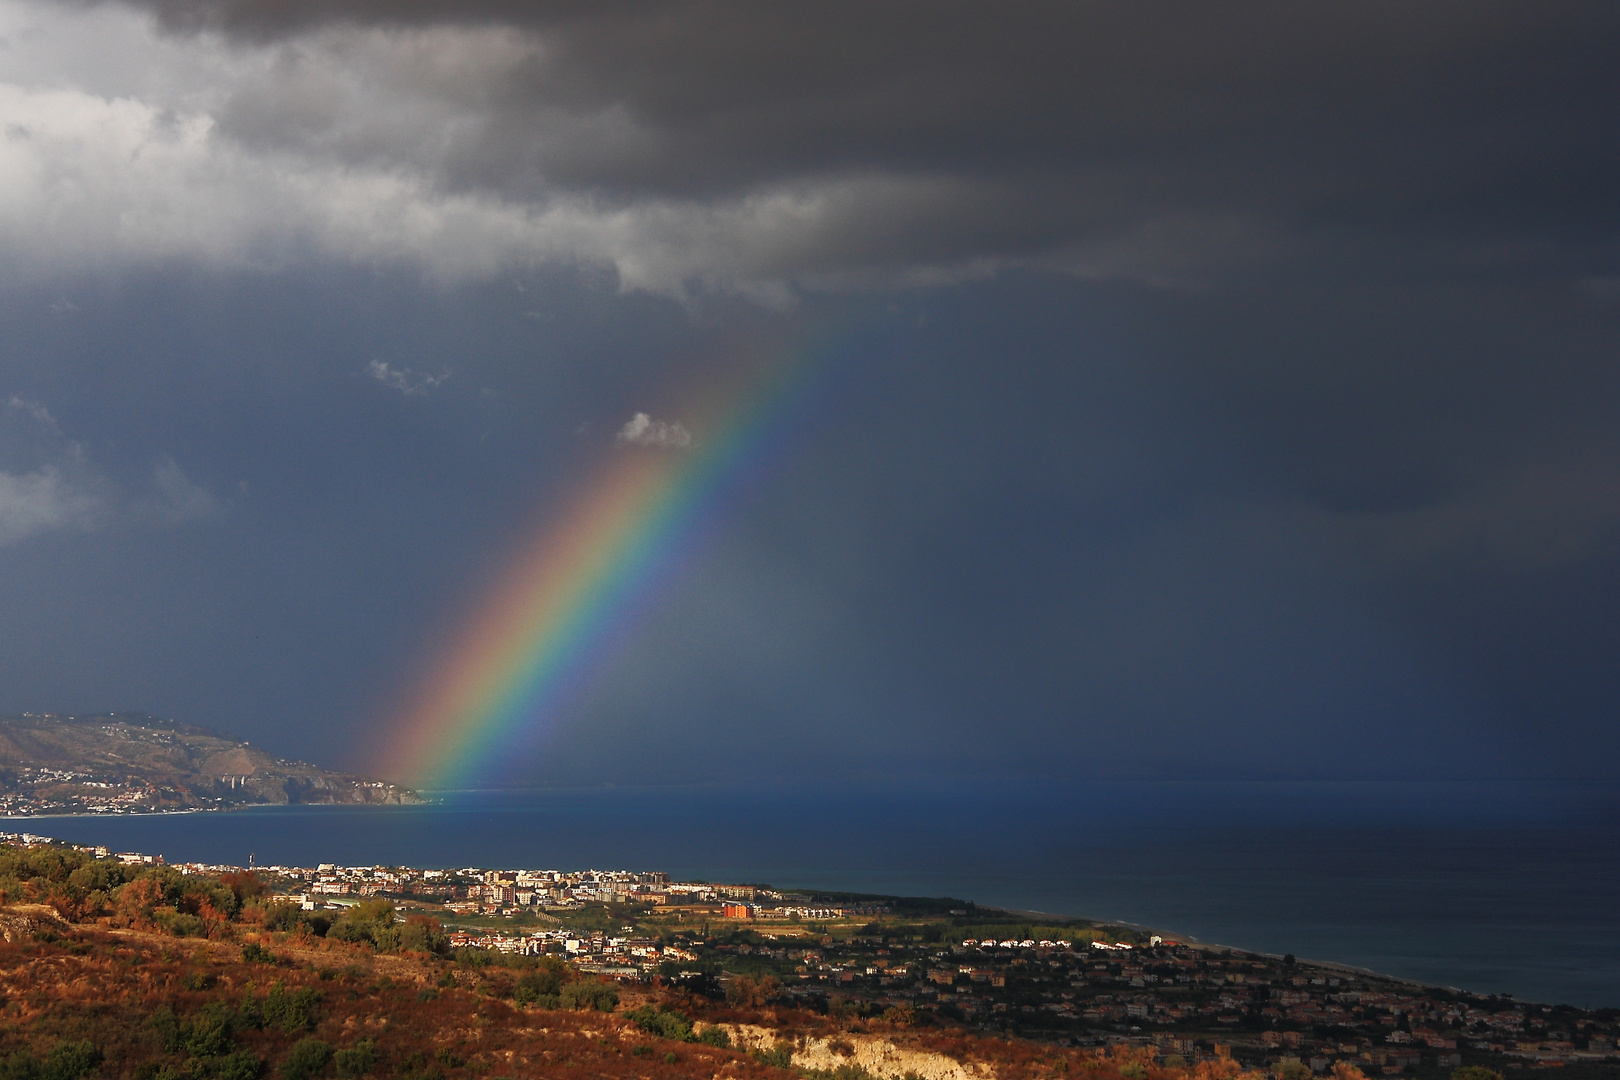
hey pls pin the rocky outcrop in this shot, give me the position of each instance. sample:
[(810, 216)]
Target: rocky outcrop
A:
[(879, 1056), (22, 922)]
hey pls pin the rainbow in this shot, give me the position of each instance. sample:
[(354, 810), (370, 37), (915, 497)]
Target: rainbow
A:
[(573, 589)]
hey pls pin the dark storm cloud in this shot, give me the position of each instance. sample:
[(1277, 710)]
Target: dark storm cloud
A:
[(1241, 396), (1117, 137)]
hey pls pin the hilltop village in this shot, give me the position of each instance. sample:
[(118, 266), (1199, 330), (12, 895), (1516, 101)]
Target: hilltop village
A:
[(952, 964)]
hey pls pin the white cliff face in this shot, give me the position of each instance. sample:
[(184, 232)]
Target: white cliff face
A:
[(878, 1056)]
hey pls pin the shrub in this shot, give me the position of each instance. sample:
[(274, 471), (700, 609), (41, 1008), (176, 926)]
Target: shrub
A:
[(842, 1072), (71, 1060), (19, 1066), (208, 1034), (536, 986), (665, 1023), (254, 953), (282, 916), (291, 1012), (589, 995), (242, 1065), (66, 1061), (713, 1036), (780, 1055), (358, 1059), (422, 933), (179, 923), (743, 990), (205, 1035), (306, 1058)]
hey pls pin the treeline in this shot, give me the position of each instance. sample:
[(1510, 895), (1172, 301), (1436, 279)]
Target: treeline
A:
[(83, 888)]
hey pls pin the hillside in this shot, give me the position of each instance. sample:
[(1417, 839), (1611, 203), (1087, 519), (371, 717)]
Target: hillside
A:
[(120, 970), (128, 763)]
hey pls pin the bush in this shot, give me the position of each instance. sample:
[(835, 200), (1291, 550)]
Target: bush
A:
[(19, 1066), (207, 1034), (542, 986), (254, 953), (422, 933), (179, 923), (713, 1036), (665, 1023), (66, 1061), (358, 1059), (291, 1012), (242, 1065), (842, 1072), (71, 1060), (283, 916), (750, 992), (589, 995), (780, 1055), (306, 1058)]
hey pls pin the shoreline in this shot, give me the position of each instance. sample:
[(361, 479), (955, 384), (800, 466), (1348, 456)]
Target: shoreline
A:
[(1338, 916)]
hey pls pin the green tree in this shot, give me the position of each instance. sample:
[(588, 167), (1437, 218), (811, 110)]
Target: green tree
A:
[(305, 1059), (358, 1059)]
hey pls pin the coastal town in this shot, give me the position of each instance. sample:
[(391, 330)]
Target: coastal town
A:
[(952, 963)]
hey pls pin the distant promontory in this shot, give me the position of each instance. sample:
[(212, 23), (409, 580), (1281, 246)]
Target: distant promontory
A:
[(128, 763)]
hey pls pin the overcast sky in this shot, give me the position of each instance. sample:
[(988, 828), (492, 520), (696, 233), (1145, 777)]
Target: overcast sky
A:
[(1221, 389)]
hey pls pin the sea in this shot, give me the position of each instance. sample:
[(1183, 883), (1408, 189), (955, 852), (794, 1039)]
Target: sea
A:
[(1494, 888)]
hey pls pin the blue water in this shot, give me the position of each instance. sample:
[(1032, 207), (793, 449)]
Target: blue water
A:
[(1495, 888)]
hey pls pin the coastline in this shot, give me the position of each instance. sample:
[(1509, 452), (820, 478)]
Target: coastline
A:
[(1436, 907)]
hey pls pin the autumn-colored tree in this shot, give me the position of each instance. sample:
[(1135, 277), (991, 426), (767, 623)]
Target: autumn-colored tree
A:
[(135, 903), (752, 993), (245, 885)]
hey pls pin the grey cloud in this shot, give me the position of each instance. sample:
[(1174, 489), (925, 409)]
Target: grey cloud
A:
[(1531, 519), (940, 142)]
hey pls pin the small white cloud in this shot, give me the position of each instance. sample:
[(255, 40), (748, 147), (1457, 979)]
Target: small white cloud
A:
[(33, 408), (179, 498), (63, 307), (62, 490), (45, 500), (405, 380), (643, 430)]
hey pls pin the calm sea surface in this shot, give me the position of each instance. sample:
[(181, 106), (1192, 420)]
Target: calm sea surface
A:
[(1496, 888)]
